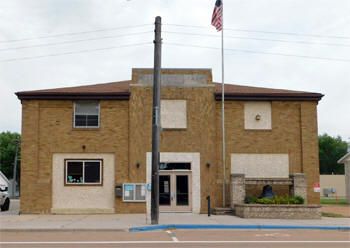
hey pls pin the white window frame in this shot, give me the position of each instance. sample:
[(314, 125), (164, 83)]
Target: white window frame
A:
[(134, 194), (99, 115), (83, 161)]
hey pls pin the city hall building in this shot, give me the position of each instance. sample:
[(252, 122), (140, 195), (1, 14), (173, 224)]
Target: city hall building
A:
[(87, 149)]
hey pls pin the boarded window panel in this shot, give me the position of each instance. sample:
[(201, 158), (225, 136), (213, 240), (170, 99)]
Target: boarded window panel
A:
[(74, 172), (173, 114), (92, 172), (257, 115), (260, 165)]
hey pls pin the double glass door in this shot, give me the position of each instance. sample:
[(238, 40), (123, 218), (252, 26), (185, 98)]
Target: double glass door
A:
[(174, 191)]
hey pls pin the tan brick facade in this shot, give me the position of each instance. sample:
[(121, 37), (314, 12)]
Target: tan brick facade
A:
[(126, 128)]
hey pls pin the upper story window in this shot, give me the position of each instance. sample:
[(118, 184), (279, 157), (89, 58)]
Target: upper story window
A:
[(86, 114)]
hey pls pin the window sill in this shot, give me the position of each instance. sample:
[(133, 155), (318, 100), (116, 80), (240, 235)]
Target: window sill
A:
[(86, 128), (173, 129), (257, 130), (134, 201), (83, 184)]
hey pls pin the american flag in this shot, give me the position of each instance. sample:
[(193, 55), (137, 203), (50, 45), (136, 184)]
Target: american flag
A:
[(216, 19)]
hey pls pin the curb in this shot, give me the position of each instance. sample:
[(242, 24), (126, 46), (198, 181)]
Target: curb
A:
[(63, 230), (189, 226), (175, 226)]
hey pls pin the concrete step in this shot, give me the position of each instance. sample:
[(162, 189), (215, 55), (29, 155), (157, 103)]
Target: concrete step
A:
[(223, 211)]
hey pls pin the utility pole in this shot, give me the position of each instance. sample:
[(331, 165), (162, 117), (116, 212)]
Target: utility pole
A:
[(17, 142), (156, 122)]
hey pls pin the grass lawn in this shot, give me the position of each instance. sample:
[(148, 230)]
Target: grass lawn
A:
[(324, 214), (333, 201)]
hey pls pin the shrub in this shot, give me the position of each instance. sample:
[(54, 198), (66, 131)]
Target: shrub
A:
[(265, 201), (276, 200), (249, 199), (300, 199)]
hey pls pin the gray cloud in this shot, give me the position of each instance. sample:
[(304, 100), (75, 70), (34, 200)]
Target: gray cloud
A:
[(21, 19)]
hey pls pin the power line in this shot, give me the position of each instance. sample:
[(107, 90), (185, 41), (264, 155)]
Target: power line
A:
[(258, 52), (73, 41), (266, 32), (176, 25), (175, 44), (290, 33), (191, 34), (260, 39), (76, 52), (74, 33)]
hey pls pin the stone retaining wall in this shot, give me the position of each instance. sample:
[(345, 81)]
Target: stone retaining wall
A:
[(280, 211)]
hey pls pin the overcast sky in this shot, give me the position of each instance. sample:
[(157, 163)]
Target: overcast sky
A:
[(316, 28)]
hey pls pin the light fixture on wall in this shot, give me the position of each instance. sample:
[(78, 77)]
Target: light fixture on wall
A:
[(137, 164), (208, 164), (258, 117)]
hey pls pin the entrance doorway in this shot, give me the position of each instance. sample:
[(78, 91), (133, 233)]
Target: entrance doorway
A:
[(175, 187)]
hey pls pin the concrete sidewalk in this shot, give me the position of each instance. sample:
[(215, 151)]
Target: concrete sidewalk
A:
[(11, 221), (122, 222)]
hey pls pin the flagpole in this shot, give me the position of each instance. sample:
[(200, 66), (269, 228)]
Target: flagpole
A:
[(223, 111)]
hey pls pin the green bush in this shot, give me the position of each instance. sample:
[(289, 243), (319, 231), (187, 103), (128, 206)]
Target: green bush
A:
[(249, 199), (300, 199), (265, 201), (275, 200)]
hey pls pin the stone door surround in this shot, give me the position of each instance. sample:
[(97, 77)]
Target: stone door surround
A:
[(184, 157)]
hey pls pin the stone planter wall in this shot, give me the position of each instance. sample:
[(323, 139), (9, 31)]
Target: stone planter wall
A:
[(278, 211), (296, 182)]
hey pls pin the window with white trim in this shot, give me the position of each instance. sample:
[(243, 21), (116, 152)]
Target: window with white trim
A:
[(83, 172), (134, 192), (86, 114)]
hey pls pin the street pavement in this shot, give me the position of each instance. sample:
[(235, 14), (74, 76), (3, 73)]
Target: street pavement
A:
[(180, 238)]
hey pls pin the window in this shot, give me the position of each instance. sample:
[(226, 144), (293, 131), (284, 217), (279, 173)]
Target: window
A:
[(83, 172), (86, 114), (174, 166), (134, 192)]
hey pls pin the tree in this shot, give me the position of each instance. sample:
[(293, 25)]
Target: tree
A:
[(7, 153), (331, 149)]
